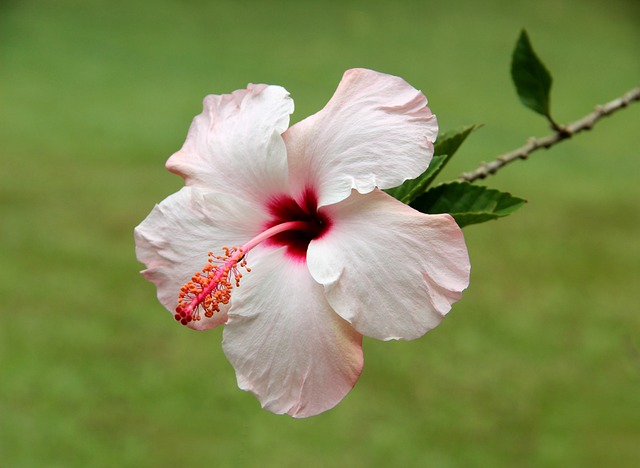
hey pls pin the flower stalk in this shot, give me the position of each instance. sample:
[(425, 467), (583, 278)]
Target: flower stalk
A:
[(561, 133)]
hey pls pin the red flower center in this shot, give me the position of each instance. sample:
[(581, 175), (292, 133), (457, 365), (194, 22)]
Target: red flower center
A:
[(284, 209)]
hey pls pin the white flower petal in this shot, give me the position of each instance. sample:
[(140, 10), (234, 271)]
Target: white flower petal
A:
[(376, 131), (235, 145), (389, 270), (173, 241), (286, 344)]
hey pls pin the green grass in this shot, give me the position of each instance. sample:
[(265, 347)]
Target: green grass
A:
[(538, 365)]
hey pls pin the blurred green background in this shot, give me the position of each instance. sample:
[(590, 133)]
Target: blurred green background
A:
[(538, 365)]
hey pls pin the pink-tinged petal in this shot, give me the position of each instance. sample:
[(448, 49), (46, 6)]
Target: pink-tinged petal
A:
[(389, 270), (235, 145), (376, 131), (287, 345), (173, 241)]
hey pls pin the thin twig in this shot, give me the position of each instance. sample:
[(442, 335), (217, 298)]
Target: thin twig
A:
[(562, 133)]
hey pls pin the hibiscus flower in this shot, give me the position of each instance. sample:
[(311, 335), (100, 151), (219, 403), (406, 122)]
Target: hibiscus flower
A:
[(284, 236)]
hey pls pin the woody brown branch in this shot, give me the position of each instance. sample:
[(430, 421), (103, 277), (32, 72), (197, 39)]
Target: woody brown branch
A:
[(563, 133)]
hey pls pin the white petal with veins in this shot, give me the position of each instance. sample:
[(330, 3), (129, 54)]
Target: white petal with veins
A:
[(388, 269), (287, 345), (235, 145), (376, 131)]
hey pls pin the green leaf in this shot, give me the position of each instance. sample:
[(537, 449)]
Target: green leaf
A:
[(449, 142), (531, 77), (444, 149), (467, 203)]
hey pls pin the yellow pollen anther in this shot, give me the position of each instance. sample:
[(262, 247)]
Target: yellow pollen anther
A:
[(211, 287)]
